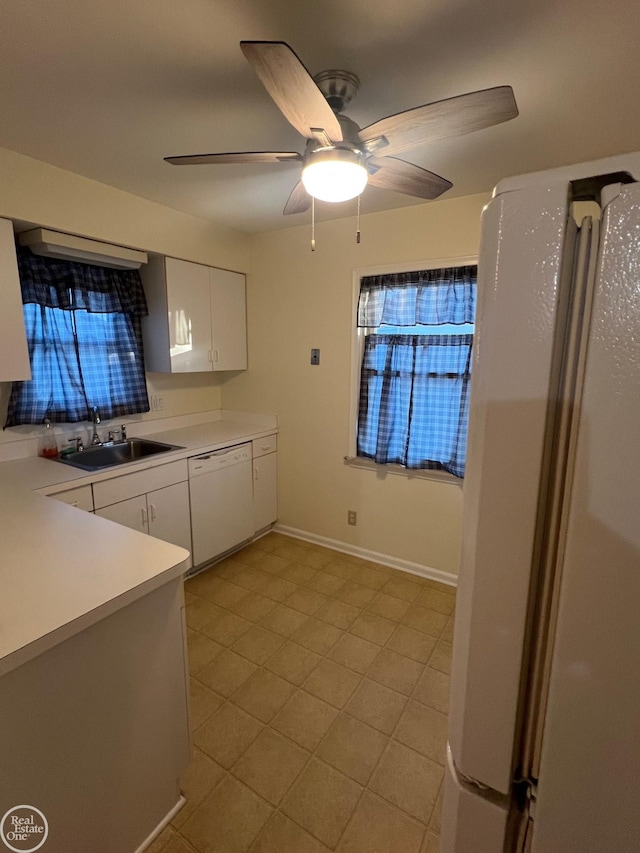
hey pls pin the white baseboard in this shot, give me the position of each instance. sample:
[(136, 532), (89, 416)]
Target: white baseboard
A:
[(162, 825), (384, 559)]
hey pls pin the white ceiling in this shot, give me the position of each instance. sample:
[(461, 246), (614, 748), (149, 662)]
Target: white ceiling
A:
[(107, 88)]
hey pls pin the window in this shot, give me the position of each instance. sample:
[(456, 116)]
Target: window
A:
[(417, 335), (84, 335)]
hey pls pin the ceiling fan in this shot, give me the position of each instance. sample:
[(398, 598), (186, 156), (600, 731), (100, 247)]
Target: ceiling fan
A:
[(340, 158)]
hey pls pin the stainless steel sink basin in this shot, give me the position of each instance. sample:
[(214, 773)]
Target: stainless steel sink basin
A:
[(116, 453)]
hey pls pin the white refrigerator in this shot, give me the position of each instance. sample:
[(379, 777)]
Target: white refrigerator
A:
[(544, 732)]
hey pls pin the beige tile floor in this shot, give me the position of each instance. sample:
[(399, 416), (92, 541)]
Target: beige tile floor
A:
[(320, 688)]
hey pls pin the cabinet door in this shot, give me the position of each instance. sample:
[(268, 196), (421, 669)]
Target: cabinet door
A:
[(131, 513), (228, 320), (189, 315), (265, 491), (169, 517), (14, 356), (81, 497)]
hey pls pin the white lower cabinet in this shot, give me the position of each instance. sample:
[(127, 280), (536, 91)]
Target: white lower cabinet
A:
[(131, 513), (163, 513), (80, 496), (265, 482), (155, 501), (169, 516)]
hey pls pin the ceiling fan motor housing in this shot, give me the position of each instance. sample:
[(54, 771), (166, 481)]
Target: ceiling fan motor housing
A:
[(339, 87)]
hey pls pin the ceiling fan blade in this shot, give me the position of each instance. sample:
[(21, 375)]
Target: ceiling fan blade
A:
[(235, 157), (392, 174), (292, 87), (451, 117), (299, 200)]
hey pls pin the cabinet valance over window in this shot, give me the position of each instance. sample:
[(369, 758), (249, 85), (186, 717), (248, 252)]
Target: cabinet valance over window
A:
[(427, 297)]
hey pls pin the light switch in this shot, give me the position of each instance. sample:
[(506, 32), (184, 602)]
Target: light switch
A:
[(315, 356)]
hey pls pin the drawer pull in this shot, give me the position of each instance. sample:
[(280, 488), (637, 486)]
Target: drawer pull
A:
[(265, 447)]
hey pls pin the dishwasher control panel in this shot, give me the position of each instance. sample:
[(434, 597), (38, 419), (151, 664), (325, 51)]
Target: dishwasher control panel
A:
[(214, 461)]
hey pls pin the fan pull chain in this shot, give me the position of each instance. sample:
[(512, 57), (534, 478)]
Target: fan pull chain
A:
[(313, 223), (358, 222)]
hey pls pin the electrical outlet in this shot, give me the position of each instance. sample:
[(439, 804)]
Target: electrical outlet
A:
[(352, 517), (160, 404)]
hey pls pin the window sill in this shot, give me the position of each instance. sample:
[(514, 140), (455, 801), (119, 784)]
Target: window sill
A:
[(409, 473)]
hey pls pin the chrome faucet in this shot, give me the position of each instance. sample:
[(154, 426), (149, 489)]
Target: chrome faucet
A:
[(77, 440), (95, 416)]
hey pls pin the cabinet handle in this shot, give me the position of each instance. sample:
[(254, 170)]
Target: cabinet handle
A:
[(255, 473), (215, 355), (145, 517), (152, 507), (210, 356)]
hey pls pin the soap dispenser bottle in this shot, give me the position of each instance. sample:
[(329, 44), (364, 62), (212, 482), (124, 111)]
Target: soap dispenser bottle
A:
[(49, 446)]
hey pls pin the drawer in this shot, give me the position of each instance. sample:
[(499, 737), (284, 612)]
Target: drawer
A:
[(262, 446), (107, 492), (80, 496)]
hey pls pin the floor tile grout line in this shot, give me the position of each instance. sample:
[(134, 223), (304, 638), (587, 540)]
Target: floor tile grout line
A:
[(382, 797), (361, 608), (277, 810), (325, 655), (296, 684), (344, 709), (334, 594), (291, 639), (313, 753)]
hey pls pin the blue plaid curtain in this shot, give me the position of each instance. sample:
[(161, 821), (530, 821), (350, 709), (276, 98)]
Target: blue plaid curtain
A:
[(414, 389), (84, 335)]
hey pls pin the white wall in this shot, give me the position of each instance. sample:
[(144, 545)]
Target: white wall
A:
[(298, 300), (40, 194)]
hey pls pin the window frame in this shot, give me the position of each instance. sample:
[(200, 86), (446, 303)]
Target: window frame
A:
[(357, 352)]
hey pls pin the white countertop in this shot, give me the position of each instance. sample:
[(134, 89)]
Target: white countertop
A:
[(48, 476), (62, 569)]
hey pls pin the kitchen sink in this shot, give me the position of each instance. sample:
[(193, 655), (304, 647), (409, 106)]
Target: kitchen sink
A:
[(116, 453)]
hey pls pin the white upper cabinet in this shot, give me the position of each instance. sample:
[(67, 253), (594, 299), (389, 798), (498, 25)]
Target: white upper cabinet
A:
[(188, 315), (14, 355), (228, 320), (197, 318)]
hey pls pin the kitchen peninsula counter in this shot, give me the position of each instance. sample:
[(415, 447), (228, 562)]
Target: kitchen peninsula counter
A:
[(62, 569)]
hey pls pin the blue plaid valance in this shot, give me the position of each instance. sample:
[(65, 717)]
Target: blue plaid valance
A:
[(427, 297), (74, 286)]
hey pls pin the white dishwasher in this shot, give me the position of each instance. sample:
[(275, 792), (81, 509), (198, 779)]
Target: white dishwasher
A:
[(221, 497)]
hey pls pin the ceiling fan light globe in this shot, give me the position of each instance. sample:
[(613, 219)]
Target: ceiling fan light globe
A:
[(334, 175)]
